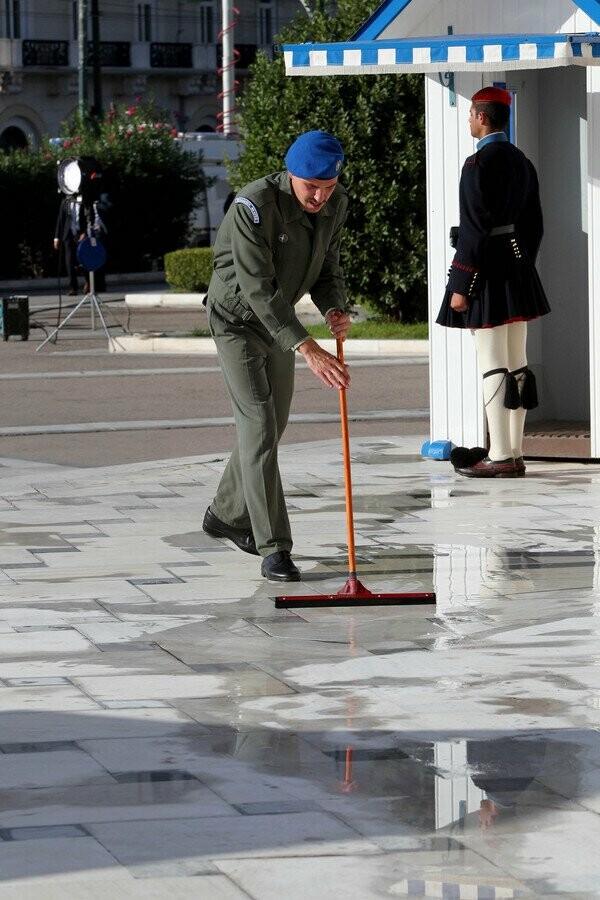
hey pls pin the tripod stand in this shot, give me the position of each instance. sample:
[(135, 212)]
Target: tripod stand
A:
[(95, 307)]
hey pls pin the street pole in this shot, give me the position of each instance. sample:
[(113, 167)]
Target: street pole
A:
[(96, 67), (81, 58), (228, 66)]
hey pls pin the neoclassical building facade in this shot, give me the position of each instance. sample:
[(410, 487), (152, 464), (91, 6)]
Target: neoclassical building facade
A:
[(169, 50)]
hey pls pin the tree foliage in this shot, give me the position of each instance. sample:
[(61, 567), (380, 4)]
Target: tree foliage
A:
[(379, 120)]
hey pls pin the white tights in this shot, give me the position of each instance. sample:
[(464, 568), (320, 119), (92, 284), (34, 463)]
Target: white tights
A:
[(502, 347)]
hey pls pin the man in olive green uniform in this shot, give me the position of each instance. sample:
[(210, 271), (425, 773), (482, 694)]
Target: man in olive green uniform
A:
[(279, 240)]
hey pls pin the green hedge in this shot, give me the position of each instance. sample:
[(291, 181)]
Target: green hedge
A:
[(29, 201), (189, 270)]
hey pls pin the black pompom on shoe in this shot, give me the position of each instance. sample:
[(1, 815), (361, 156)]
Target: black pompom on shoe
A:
[(463, 457)]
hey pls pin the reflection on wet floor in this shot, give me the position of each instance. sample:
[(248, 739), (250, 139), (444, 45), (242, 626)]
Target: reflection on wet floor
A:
[(165, 730), (429, 802)]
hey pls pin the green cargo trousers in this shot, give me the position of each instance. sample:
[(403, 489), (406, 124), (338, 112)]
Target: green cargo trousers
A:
[(259, 376)]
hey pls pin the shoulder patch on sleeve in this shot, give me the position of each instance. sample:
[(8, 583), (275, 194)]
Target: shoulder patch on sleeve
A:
[(251, 207)]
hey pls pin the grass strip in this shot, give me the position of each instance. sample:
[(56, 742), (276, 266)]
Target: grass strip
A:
[(370, 330)]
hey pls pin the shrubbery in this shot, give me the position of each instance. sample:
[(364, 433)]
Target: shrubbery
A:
[(29, 201), (189, 270)]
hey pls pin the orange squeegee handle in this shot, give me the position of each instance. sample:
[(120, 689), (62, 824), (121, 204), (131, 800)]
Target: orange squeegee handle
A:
[(347, 473)]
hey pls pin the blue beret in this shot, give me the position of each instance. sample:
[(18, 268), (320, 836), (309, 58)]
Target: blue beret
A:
[(315, 154)]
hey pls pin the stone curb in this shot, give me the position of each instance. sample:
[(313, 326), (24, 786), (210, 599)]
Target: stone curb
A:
[(37, 285), (163, 343), (167, 300), (205, 346)]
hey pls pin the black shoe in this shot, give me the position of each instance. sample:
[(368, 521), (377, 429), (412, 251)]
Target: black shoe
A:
[(489, 468), (520, 466), (241, 537), (279, 567)]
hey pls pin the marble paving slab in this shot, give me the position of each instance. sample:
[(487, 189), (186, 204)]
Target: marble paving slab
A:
[(165, 731)]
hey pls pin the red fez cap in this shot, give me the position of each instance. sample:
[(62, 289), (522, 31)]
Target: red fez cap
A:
[(492, 95)]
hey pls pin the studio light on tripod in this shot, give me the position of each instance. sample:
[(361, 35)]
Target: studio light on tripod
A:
[(80, 180), (80, 176)]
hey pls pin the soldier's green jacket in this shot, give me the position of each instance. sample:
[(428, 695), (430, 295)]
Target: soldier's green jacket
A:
[(268, 253)]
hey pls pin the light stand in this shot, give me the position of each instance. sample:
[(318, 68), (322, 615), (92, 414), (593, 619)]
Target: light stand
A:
[(95, 307), (75, 175)]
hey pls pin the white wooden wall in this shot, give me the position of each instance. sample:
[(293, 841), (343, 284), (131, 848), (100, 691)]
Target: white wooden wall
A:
[(421, 17), (456, 399)]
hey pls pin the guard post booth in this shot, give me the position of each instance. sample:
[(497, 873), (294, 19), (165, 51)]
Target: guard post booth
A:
[(547, 53)]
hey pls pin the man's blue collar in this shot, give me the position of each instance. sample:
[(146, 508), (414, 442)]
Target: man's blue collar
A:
[(493, 138)]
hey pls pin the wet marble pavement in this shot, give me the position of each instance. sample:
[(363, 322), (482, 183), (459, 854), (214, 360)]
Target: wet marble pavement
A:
[(166, 732)]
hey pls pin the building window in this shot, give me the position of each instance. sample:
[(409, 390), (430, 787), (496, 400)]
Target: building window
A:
[(12, 19), (206, 22), (144, 20), (266, 25)]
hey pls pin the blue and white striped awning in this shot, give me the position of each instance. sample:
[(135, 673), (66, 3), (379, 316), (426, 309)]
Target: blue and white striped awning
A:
[(455, 53)]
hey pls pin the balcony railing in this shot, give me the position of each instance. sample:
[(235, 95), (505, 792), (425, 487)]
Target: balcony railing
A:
[(122, 55), (45, 53), (171, 56), (112, 53)]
